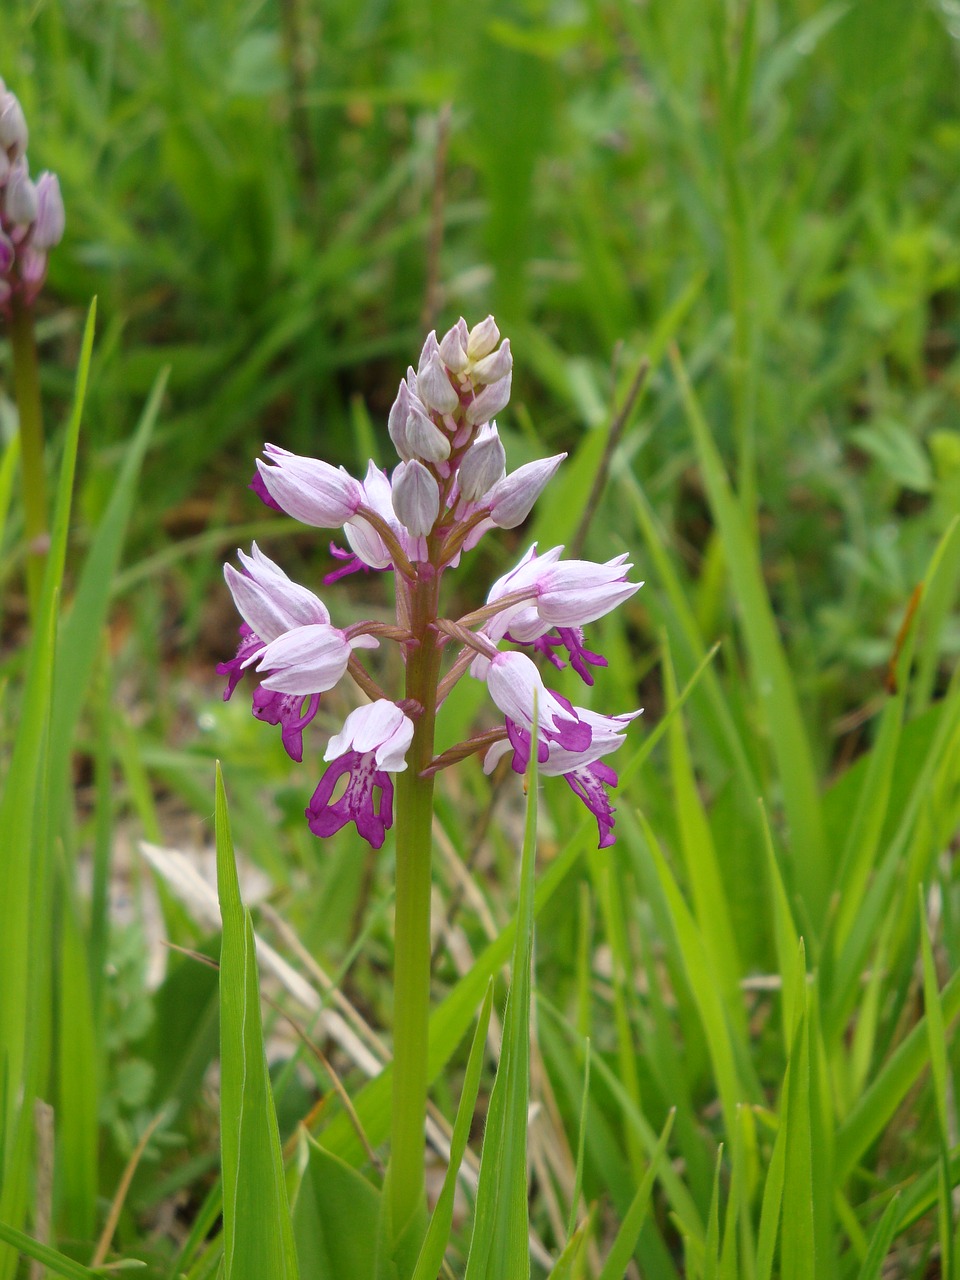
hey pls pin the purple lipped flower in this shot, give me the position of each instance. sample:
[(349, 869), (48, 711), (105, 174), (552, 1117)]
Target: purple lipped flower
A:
[(263, 493), (584, 770), (588, 782), (515, 684), (272, 605), (269, 602), (250, 645), (289, 710), (571, 639), (310, 659), (350, 563), (564, 593), (372, 744)]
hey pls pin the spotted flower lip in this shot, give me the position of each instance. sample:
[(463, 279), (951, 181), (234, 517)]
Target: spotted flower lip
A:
[(584, 770), (372, 744), (312, 491)]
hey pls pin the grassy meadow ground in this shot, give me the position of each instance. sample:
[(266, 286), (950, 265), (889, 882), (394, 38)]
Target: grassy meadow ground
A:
[(273, 202)]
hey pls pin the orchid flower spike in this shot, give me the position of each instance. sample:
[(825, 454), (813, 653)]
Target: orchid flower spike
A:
[(31, 213), (449, 488)]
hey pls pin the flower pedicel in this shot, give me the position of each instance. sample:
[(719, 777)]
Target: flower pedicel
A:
[(449, 488)]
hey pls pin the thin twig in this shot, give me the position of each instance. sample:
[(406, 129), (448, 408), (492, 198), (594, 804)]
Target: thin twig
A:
[(116, 1207), (613, 439)]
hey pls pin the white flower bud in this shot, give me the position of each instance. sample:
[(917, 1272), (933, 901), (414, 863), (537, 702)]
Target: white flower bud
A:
[(20, 196), (13, 125), (494, 366), (434, 385), (483, 338), (482, 465), (48, 230), (512, 498), (453, 351), (424, 439), (490, 401), (4, 166), (397, 422), (416, 498)]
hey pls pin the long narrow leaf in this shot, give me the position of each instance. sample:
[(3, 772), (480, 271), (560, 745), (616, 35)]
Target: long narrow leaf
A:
[(771, 673), (257, 1230), (499, 1245), (438, 1232)]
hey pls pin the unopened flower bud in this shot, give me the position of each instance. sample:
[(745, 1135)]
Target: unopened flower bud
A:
[(397, 421), (424, 438), (7, 254), (20, 197), (433, 384), (453, 347), (483, 338), (490, 401), (48, 230), (311, 491), (482, 465), (32, 264), (416, 498), (495, 366), (511, 500), (4, 166), (13, 125)]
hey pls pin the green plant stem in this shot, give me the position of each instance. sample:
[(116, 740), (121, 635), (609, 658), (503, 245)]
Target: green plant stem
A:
[(26, 383), (412, 932)]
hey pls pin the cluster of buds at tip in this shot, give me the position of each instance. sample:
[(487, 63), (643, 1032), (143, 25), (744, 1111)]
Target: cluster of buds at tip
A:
[(31, 213), (450, 487)]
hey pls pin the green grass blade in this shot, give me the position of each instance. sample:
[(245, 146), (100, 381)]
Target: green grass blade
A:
[(80, 633), (57, 1262), (881, 1240), (939, 1070), (711, 1244), (940, 591), (798, 1254), (890, 1086), (336, 1219), (564, 1267), (625, 1241), (78, 1083), (772, 680), (499, 1244), (700, 856), (703, 983), (581, 1143), (26, 867), (438, 1232), (258, 1234)]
